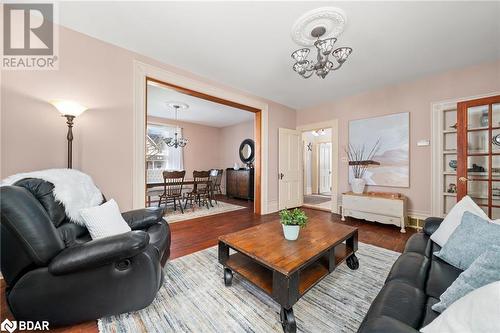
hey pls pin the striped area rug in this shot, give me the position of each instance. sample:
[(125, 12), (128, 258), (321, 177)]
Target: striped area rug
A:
[(196, 211), (193, 298)]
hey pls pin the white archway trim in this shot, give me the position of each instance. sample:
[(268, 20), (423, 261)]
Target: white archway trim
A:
[(141, 72)]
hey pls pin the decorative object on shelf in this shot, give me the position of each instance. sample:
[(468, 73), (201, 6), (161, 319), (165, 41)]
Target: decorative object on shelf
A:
[(307, 30), (310, 146), (495, 191), (454, 126), (496, 140), (484, 119), (359, 160), (452, 188), (392, 131), (236, 166), (476, 168), (292, 221), (70, 110), (453, 164), (247, 152), (177, 141)]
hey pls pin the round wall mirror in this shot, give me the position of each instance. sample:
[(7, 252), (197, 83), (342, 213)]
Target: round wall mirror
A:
[(247, 151)]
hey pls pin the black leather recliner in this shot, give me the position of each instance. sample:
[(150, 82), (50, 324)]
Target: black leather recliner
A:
[(54, 271), (415, 283)]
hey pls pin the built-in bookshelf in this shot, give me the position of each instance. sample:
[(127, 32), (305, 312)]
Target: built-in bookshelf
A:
[(479, 132), (448, 152)]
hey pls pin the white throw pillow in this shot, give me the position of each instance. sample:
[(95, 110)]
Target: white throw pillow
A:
[(104, 220), (478, 311), (454, 217)]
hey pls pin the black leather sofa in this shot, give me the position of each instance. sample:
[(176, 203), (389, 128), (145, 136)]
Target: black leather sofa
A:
[(53, 270), (415, 283)]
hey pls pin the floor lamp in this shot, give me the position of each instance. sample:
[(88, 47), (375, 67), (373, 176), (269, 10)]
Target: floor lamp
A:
[(70, 110)]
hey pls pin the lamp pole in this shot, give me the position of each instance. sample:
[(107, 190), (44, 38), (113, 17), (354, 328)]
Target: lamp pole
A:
[(69, 137), (69, 110)]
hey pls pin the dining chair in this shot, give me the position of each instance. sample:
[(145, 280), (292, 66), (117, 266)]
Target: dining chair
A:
[(153, 176), (215, 183), (172, 188), (201, 189)]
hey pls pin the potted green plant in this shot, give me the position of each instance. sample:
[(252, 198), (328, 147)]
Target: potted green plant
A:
[(292, 221)]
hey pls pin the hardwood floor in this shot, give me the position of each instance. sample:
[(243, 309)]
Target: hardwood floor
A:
[(198, 234)]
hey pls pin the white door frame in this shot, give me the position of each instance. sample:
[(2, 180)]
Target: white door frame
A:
[(334, 125), (141, 72), (321, 169)]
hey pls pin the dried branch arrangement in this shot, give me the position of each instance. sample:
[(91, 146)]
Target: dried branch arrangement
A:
[(357, 159)]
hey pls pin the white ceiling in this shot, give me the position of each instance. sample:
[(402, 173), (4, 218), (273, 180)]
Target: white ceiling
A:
[(247, 44), (200, 111)]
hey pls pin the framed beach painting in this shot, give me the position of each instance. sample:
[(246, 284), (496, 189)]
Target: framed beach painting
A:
[(390, 166)]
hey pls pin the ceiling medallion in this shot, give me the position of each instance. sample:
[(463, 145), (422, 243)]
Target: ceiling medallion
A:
[(326, 22)]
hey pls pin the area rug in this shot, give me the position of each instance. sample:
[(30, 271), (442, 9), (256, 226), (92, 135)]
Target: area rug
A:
[(193, 298), (316, 199), (190, 213)]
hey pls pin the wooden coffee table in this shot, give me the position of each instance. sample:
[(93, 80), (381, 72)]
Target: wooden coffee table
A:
[(284, 269)]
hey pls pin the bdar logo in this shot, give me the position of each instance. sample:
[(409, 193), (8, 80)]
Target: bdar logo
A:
[(8, 325)]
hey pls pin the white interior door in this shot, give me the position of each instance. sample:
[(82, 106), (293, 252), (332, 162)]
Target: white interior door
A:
[(290, 169), (325, 170)]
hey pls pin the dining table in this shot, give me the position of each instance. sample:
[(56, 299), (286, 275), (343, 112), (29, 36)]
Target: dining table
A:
[(160, 183), (154, 184)]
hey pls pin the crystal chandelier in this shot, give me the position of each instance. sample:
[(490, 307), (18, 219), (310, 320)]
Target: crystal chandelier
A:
[(324, 48), (177, 141)]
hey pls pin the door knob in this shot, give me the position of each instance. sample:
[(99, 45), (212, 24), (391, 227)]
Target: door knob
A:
[(463, 179), (281, 175)]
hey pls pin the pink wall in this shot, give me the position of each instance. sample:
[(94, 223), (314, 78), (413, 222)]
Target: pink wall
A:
[(100, 76), (210, 147), (414, 97), (202, 152), (231, 138)]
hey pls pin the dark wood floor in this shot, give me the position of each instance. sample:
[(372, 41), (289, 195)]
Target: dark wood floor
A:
[(198, 234)]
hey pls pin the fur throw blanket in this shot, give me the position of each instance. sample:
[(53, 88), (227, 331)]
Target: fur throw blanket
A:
[(74, 189)]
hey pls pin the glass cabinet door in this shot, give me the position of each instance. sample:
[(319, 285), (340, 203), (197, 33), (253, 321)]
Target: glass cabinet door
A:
[(478, 153)]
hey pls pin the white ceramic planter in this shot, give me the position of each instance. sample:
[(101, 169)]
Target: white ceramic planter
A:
[(291, 232), (358, 185)]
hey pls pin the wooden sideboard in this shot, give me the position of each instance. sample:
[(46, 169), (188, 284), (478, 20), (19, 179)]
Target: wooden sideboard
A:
[(387, 208), (239, 183)]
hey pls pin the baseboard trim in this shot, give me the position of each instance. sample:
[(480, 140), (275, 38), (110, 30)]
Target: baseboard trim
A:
[(317, 208), (418, 214)]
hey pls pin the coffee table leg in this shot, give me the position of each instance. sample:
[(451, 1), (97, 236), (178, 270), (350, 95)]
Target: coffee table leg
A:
[(223, 257), (228, 277), (288, 320)]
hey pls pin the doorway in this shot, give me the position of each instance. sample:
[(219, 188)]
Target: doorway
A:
[(317, 170), (143, 73), (229, 105)]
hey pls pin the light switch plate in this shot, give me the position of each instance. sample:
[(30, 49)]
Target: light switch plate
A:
[(424, 143)]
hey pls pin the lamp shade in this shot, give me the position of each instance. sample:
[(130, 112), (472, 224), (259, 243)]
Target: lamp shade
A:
[(68, 108)]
